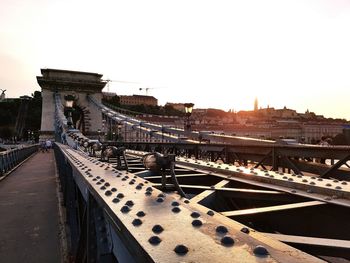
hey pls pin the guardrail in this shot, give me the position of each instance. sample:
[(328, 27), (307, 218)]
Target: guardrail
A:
[(297, 158), (11, 158)]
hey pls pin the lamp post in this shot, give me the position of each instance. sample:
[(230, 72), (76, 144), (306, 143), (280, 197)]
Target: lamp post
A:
[(69, 105), (99, 134), (188, 111)]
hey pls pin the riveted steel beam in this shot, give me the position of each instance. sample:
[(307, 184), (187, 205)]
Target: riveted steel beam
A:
[(159, 227)]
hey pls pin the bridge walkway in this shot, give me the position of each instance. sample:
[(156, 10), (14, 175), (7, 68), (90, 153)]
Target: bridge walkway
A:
[(29, 218)]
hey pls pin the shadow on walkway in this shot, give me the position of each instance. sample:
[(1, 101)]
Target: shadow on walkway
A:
[(29, 221)]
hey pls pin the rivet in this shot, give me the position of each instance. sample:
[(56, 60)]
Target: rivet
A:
[(299, 176), (260, 251), (123, 179), (108, 193), (338, 187), (175, 203), (221, 230), (181, 249), (285, 177), (195, 214), (137, 222), (186, 201), (304, 181), (129, 203), (154, 240), (245, 230), (290, 179), (227, 241), (313, 183), (102, 180), (271, 176), (210, 213), (125, 209), (131, 182), (98, 183), (335, 181), (161, 195), (176, 209), (120, 195), (116, 200), (103, 187), (140, 214), (344, 183), (148, 193), (138, 187), (293, 191), (107, 184), (149, 189), (114, 189), (197, 223), (160, 200), (157, 229), (319, 179), (328, 184)]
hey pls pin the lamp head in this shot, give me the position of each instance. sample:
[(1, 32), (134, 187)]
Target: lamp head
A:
[(188, 108)]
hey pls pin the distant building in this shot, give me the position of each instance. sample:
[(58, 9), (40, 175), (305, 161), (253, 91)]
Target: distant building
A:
[(138, 100), (176, 106), (108, 95)]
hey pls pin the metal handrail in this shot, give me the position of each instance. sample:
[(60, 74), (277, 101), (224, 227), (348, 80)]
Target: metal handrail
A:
[(11, 158)]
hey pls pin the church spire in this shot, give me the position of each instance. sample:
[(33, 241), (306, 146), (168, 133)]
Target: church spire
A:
[(256, 105)]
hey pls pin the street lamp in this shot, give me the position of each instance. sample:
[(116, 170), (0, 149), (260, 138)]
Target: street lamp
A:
[(188, 111), (99, 134), (69, 105)]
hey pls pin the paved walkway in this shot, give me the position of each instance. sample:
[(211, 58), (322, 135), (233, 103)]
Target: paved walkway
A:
[(29, 213)]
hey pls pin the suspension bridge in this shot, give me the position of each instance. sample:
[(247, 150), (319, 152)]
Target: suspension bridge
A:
[(163, 195)]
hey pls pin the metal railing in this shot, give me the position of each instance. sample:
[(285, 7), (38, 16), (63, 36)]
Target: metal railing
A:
[(11, 158)]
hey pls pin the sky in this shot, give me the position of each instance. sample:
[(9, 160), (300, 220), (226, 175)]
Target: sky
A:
[(219, 54)]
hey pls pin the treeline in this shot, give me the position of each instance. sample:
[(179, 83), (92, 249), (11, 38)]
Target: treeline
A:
[(9, 110)]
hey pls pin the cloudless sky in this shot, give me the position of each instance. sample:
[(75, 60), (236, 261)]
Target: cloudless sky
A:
[(216, 53)]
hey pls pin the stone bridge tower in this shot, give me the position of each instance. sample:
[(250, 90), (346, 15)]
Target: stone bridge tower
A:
[(65, 82)]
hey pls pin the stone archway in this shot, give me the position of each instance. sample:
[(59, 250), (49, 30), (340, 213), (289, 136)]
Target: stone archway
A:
[(65, 82)]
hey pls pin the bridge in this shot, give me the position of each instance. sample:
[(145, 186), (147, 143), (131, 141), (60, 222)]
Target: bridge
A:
[(164, 194)]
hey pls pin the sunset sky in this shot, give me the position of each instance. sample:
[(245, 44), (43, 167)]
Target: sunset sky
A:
[(219, 54)]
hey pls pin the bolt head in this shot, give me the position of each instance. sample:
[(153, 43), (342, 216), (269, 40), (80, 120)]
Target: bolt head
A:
[(245, 230), (227, 241), (197, 223), (181, 250), (157, 229), (176, 209), (210, 213), (137, 222), (221, 230), (140, 214), (260, 251), (154, 240), (195, 214)]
